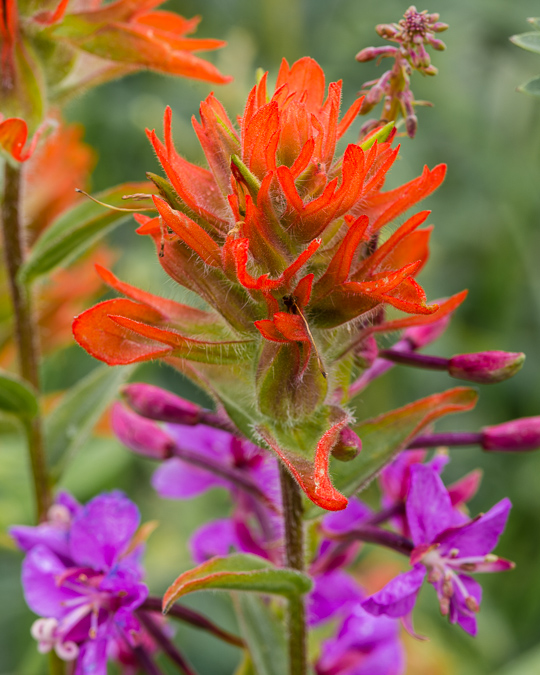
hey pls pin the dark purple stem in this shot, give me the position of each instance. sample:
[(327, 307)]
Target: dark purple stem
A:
[(153, 604), (235, 477), (385, 514), (414, 359), (450, 439), (145, 660), (166, 645), (212, 420), (376, 535)]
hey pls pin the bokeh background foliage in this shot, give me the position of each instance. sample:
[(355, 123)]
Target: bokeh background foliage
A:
[(486, 239)]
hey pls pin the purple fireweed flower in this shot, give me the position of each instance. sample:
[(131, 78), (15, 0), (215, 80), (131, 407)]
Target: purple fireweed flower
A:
[(395, 482), (82, 575), (364, 645), (446, 549)]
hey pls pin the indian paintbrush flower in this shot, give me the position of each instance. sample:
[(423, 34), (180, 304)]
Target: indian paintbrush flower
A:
[(275, 238)]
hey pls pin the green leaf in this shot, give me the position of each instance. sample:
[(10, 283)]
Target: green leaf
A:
[(532, 87), (264, 634), (72, 421), (17, 396), (528, 41), (78, 228), (239, 572), (385, 436)]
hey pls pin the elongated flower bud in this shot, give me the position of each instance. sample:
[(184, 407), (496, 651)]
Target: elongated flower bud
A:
[(515, 436), (140, 435), (486, 367), (159, 404)]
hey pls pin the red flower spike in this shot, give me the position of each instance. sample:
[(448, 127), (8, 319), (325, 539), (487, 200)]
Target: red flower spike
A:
[(127, 32), (312, 475), (288, 227)]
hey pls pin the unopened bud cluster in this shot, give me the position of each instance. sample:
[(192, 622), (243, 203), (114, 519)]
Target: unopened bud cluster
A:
[(413, 34)]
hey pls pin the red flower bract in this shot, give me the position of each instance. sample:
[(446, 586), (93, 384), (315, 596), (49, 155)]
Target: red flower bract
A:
[(280, 238)]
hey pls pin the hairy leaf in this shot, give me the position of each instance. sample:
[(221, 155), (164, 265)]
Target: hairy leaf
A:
[(239, 572)]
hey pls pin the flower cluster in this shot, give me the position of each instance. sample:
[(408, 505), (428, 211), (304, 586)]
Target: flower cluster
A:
[(280, 238), (412, 34), (82, 574)]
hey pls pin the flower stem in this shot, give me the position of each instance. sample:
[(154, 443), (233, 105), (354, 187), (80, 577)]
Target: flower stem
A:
[(375, 535), (25, 329), (166, 645), (451, 438), (294, 546), (153, 604)]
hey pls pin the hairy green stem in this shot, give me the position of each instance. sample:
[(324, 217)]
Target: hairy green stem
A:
[(25, 329), (294, 546)]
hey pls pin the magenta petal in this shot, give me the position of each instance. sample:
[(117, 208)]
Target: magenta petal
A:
[(429, 509), (215, 538), (332, 593), (395, 478), (103, 529), (92, 659), (176, 479), (479, 536), (52, 536), (40, 569), (213, 443), (397, 598)]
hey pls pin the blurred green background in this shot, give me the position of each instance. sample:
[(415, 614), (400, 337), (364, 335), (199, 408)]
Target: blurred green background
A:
[(486, 239)]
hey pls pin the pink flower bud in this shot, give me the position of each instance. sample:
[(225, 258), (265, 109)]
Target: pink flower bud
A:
[(515, 436), (139, 434), (159, 404), (348, 445), (485, 367), (370, 53)]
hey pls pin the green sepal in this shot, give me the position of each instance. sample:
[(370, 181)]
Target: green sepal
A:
[(77, 229), (283, 391), (17, 397), (239, 572), (250, 180), (380, 135)]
